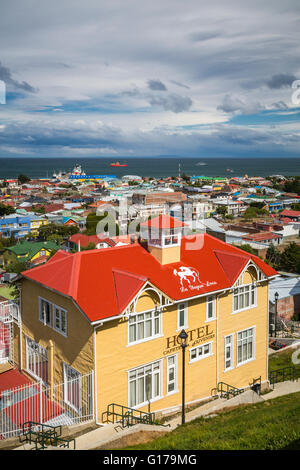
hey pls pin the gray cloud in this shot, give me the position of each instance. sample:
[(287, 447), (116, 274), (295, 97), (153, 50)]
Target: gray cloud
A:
[(234, 104), (281, 80), (203, 36), (5, 76), (156, 85), (172, 102), (182, 85)]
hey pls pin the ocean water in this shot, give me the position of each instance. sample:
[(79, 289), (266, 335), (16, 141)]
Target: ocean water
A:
[(151, 166)]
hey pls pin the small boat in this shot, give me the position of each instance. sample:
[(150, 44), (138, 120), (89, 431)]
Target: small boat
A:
[(118, 164)]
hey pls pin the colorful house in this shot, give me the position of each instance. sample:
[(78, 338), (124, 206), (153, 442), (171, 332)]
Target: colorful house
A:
[(117, 313), (30, 252)]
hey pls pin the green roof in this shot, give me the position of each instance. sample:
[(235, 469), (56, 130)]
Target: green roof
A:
[(29, 249)]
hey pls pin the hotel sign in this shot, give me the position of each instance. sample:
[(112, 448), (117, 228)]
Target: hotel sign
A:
[(195, 336)]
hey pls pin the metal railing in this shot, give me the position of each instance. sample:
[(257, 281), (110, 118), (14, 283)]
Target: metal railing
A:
[(43, 435), (67, 403), (282, 375), (226, 391), (127, 417)]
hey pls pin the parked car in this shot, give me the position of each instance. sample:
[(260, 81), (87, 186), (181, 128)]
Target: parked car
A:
[(276, 345)]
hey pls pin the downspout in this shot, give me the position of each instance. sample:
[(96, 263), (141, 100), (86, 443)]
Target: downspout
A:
[(95, 377), (268, 321), (217, 342), (20, 330)]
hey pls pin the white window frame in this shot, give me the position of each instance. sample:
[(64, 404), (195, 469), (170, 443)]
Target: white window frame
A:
[(41, 352), (185, 310), (67, 368), (52, 323), (143, 376), (41, 315), (212, 302), (231, 347), (203, 355), (253, 328), (138, 321), (241, 291), (169, 368), (61, 310)]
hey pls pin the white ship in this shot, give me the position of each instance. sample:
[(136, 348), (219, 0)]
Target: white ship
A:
[(63, 175)]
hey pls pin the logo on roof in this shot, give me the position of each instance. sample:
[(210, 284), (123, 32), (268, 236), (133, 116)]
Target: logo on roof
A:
[(189, 279)]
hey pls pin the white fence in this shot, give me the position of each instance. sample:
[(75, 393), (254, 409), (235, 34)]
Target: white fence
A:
[(9, 314), (67, 403)]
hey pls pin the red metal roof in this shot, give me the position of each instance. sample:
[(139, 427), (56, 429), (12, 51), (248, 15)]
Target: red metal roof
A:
[(163, 222), (102, 282), (287, 213), (266, 235)]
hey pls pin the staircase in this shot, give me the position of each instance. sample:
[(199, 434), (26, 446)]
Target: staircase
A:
[(227, 391)]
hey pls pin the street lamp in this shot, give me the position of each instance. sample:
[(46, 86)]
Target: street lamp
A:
[(182, 340), (276, 295)]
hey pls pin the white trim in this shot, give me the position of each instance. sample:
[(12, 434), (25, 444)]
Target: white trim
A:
[(54, 307), (226, 369), (210, 343), (175, 374), (250, 306), (79, 398), (213, 301), (185, 309), (238, 364), (160, 396), (148, 338), (43, 320)]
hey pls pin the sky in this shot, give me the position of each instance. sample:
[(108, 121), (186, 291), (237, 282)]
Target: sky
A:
[(112, 78)]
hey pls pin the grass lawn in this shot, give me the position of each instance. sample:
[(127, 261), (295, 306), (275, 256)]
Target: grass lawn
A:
[(282, 359), (270, 425), (6, 292)]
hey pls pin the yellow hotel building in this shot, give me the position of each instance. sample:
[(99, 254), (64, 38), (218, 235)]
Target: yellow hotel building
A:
[(119, 311)]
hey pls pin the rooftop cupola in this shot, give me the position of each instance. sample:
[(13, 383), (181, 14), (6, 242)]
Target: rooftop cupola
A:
[(163, 234)]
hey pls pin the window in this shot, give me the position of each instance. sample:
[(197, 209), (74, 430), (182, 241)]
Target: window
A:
[(144, 325), (171, 374), (72, 388), (144, 384), (245, 346), (60, 319), (210, 307), (228, 352), (182, 316), (200, 352), (244, 297), (45, 311), (36, 360)]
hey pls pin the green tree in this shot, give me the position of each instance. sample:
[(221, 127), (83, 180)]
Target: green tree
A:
[(23, 179), (290, 258), (222, 210), (6, 210), (248, 248), (273, 256)]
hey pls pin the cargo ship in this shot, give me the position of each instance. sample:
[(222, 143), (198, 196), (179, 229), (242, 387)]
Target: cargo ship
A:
[(118, 164)]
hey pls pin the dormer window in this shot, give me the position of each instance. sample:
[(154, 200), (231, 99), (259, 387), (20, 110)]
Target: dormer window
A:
[(163, 234)]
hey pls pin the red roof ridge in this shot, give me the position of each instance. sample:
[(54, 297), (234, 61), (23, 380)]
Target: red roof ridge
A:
[(232, 270), (136, 276), (74, 278)]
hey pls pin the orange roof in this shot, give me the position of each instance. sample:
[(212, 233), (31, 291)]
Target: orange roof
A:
[(163, 222), (104, 282)]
